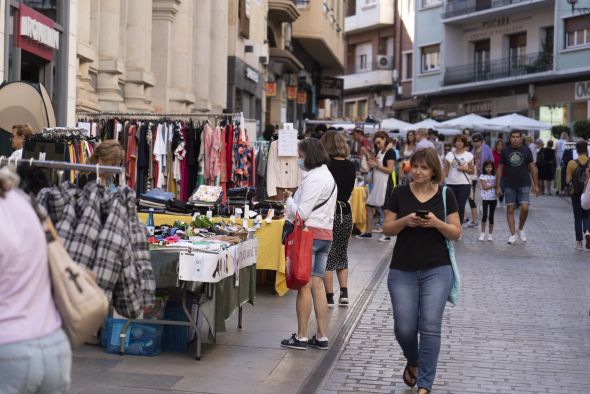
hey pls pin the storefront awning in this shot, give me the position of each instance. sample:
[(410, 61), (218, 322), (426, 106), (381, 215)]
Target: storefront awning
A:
[(283, 61)]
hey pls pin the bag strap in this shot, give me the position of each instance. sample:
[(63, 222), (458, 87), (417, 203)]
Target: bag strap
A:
[(466, 177), (324, 203)]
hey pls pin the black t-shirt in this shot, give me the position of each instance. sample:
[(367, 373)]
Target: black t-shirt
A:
[(420, 248), (389, 155), (516, 166), (344, 173)]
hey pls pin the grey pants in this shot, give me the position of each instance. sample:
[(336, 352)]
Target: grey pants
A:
[(37, 366)]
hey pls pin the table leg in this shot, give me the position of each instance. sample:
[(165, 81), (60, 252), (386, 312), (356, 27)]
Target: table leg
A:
[(193, 323), (240, 317)]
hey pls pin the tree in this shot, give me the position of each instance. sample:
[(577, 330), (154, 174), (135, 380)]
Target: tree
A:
[(556, 131), (582, 129)]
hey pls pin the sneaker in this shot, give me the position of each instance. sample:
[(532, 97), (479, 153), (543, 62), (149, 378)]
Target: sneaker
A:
[(522, 235), (330, 299), (295, 343), (490, 237), (512, 239), (482, 237), (343, 301), (587, 236), (472, 224), (319, 343), (378, 230), (579, 245), (364, 236), (385, 238)]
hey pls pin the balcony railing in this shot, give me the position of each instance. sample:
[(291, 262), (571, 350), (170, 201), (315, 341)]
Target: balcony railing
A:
[(463, 7), (373, 66), (501, 68)]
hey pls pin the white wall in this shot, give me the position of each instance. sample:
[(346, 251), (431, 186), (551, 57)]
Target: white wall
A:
[(368, 15)]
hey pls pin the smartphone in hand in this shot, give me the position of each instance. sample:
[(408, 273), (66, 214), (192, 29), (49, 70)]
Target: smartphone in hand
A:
[(421, 213)]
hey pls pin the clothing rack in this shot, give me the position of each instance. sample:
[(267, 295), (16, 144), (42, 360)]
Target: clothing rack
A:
[(62, 165), (154, 114), (63, 132)]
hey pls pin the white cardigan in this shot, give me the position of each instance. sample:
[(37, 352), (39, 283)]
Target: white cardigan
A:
[(315, 188)]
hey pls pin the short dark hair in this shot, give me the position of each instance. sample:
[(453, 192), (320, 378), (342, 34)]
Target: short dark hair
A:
[(358, 131), (321, 128), (550, 144), (582, 147), (462, 138), (314, 153), (516, 132), (488, 163), (269, 131), (477, 137), (430, 158)]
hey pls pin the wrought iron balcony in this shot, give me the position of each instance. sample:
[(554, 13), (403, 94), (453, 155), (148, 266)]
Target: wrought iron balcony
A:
[(501, 68), (463, 7)]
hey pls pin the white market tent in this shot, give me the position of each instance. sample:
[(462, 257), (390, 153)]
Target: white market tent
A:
[(394, 124), (516, 121), (470, 121), (425, 124)]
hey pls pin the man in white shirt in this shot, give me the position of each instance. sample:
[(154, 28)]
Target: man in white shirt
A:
[(19, 132), (423, 141)]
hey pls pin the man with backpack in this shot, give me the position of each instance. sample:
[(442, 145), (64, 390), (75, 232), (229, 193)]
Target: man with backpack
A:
[(575, 177)]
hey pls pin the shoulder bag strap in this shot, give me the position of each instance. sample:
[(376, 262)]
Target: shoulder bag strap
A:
[(328, 199), (466, 177)]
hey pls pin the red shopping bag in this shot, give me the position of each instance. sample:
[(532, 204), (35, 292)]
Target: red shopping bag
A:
[(298, 248)]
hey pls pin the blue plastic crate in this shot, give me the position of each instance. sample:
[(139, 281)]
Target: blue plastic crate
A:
[(175, 338), (141, 339)]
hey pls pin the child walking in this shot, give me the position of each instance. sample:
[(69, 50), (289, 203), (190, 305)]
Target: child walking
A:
[(488, 198)]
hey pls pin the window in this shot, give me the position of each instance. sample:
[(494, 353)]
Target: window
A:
[(517, 51), (361, 109), (363, 55), (430, 58), (351, 8), (244, 18), (356, 109), (577, 31), (481, 59), (407, 66), (430, 3)]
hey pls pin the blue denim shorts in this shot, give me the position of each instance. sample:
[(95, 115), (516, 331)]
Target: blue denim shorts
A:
[(517, 195), (319, 257)]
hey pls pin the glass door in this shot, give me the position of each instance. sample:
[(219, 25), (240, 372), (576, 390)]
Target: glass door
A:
[(481, 60)]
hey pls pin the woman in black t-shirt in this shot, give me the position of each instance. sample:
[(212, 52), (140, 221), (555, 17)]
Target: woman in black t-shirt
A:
[(344, 173), (420, 276)]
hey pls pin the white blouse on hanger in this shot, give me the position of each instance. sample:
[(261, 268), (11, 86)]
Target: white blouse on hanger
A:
[(281, 171)]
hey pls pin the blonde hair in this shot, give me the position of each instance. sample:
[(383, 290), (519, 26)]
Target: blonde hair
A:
[(335, 144), (22, 130), (109, 152)]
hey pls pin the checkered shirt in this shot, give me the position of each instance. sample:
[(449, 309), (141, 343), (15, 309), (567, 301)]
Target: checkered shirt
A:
[(59, 202), (82, 247)]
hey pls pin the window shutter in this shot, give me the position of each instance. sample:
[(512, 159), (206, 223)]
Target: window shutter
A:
[(430, 49), (518, 40), (577, 23), (244, 20)]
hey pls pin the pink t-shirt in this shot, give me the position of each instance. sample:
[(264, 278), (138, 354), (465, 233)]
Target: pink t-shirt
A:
[(27, 310)]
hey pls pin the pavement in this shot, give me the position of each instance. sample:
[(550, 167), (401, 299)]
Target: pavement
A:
[(522, 322), (249, 360)]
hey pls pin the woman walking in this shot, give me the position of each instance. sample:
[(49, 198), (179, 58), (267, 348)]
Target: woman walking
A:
[(457, 170), (420, 276), (407, 152), (382, 167), (546, 160), (314, 202), (344, 174)]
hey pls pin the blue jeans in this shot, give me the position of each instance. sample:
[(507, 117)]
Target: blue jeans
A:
[(581, 217), (517, 195), (319, 257), (418, 299), (462, 195), (37, 366)]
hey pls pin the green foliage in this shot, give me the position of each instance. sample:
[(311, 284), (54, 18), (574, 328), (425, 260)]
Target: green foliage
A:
[(582, 129), (556, 131)]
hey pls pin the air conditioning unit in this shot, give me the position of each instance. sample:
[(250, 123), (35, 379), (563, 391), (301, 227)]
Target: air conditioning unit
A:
[(384, 62)]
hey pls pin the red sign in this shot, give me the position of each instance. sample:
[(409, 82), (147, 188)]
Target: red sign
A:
[(301, 97), (292, 92), (35, 33), (271, 89)]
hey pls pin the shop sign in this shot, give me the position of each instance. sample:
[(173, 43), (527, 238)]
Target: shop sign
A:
[(252, 74), (438, 113), (495, 26), (271, 89), (292, 92), (36, 33), (301, 97), (478, 107), (582, 91), (331, 87)]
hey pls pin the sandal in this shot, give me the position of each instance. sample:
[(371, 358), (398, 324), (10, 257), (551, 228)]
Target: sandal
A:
[(411, 380)]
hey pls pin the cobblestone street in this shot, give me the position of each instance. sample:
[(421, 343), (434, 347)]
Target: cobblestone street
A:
[(521, 324)]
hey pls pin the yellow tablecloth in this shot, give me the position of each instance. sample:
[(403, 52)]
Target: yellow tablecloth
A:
[(359, 212), (271, 253)]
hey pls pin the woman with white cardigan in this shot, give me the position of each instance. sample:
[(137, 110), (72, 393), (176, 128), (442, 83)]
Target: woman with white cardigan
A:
[(315, 203)]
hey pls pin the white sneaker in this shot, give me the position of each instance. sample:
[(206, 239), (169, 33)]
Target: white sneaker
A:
[(482, 237), (522, 235), (579, 245), (490, 237), (512, 239), (385, 238)]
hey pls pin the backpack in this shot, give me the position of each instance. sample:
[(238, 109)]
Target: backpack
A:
[(579, 177)]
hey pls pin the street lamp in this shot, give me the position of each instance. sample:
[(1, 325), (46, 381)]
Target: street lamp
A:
[(581, 10)]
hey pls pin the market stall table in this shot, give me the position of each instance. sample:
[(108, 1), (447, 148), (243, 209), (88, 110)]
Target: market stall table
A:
[(227, 280)]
